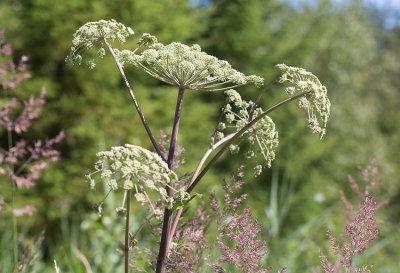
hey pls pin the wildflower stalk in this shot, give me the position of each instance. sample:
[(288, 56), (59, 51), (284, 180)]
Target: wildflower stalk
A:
[(175, 128), (135, 102), (24, 165), (15, 230), (229, 139), (213, 136), (147, 221), (207, 154), (167, 222), (260, 95), (236, 136), (202, 161), (14, 193), (128, 210)]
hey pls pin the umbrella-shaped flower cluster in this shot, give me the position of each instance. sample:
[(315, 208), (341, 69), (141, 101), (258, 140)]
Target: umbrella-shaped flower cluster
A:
[(262, 136), (316, 100), (94, 34), (187, 67), (132, 167)]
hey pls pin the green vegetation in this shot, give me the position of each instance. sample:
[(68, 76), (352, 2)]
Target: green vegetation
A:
[(295, 200)]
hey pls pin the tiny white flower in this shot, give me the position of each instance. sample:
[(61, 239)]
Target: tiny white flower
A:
[(112, 183), (150, 184), (106, 173), (128, 184), (140, 197), (257, 170)]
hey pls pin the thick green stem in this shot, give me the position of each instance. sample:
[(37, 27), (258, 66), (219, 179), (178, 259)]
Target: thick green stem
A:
[(128, 210), (165, 235), (135, 102)]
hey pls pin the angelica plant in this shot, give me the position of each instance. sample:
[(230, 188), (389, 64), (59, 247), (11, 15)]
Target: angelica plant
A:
[(153, 175)]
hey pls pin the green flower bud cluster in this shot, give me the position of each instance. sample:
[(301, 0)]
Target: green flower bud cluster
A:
[(316, 101), (132, 167), (147, 39), (263, 136), (93, 34), (187, 67)]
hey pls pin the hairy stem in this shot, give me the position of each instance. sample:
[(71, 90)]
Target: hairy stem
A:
[(165, 235), (135, 102), (128, 210)]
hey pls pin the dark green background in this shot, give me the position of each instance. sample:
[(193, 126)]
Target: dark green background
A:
[(347, 47)]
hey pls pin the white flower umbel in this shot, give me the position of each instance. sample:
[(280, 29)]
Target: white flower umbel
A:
[(93, 34), (132, 167), (263, 137), (187, 67), (316, 100)]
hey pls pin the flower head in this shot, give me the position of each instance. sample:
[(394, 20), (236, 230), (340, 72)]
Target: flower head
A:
[(263, 137), (94, 34), (133, 167), (316, 100), (187, 67)]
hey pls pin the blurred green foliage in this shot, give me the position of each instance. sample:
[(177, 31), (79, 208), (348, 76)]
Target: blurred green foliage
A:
[(349, 50)]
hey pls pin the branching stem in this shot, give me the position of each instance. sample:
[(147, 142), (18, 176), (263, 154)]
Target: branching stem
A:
[(236, 136), (199, 166), (135, 102), (132, 239), (259, 97), (229, 139)]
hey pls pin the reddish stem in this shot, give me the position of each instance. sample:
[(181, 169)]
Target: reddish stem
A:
[(165, 242)]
